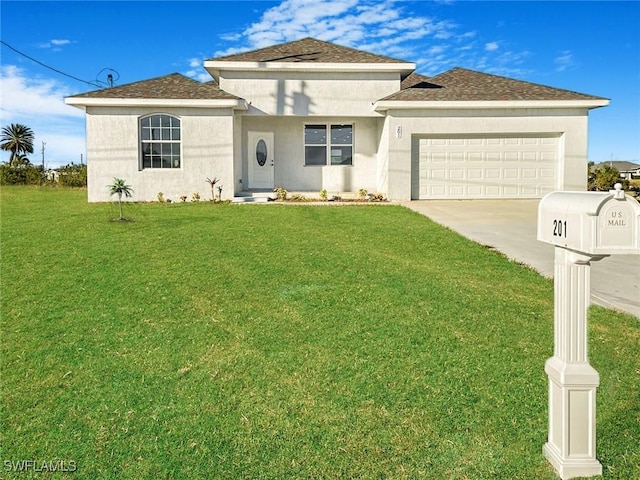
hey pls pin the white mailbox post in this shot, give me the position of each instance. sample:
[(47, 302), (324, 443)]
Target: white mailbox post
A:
[(584, 227)]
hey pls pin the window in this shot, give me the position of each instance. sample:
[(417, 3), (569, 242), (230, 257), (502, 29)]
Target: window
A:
[(160, 141), (333, 149)]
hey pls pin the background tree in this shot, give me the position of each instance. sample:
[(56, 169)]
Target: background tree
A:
[(17, 139), (603, 177), (119, 187)]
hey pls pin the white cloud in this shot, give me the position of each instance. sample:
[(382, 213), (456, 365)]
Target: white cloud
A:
[(491, 46), (55, 44), (386, 28), (60, 42), (564, 61), (22, 95), (39, 104), (200, 75)]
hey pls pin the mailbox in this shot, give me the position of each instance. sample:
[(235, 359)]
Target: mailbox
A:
[(595, 223)]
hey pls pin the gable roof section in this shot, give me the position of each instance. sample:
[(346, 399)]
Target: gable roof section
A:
[(308, 50), (308, 54), (463, 85), (170, 90)]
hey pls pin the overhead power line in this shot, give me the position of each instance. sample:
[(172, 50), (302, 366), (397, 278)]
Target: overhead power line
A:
[(50, 68)]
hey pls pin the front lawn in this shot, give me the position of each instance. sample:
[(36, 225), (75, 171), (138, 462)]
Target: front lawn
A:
[(282, 341)]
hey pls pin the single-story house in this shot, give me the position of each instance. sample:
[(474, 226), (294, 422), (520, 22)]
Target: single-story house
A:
[(627, 170), (310, 115)]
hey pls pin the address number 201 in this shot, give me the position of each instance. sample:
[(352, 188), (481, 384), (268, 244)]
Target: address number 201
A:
[(560, 228)]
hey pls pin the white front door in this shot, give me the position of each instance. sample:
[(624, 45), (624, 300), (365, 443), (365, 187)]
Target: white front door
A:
[(260, 150)]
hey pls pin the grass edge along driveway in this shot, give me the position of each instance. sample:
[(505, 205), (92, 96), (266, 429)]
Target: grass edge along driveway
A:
[(225, 341)]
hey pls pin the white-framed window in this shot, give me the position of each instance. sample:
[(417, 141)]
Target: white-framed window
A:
[(328, 144), (160, 139)]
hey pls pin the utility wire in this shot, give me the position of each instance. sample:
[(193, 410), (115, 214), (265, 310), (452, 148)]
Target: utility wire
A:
[(47, 66)]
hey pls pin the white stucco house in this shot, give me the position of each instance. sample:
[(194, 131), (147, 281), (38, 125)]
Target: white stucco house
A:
[(310, 115)]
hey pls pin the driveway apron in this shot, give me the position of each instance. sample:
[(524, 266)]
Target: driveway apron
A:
[(510, 227)]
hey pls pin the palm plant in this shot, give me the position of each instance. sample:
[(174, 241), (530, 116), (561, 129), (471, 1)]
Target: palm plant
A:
[(120, 187), (212, 182), (17, 139)]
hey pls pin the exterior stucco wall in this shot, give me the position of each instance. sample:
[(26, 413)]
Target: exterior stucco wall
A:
[(569, 124), (113, 150), (301, 93), (290, 171)]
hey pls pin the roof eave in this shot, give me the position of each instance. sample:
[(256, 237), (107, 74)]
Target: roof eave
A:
[(384, 105), (83, 102), (214, 67)]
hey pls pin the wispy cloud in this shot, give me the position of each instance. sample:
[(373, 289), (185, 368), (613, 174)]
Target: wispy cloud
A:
[(386, 27), (55, 44), (60, 42), (491, 46), (564, 61)]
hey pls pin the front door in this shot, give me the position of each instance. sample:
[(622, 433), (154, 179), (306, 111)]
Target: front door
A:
[(260, 150)]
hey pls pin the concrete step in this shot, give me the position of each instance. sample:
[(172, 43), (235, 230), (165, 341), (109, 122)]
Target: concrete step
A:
[(253, 197)]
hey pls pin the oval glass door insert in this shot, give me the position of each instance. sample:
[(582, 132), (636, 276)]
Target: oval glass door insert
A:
[(261, 152)]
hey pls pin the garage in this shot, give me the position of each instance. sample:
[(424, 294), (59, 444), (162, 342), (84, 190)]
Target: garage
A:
[(501, 166)]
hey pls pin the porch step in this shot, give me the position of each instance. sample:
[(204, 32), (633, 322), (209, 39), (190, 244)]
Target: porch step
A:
[(252, 197)]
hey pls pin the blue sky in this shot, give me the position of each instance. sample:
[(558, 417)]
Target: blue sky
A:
[(589, 47)]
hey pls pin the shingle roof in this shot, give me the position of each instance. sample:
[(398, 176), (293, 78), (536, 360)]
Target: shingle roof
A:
[(308, 50), (415, 80), (173, 86), (460, 84), (619, 165)]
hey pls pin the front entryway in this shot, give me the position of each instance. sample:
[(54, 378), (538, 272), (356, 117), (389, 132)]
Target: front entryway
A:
[(261, 161)]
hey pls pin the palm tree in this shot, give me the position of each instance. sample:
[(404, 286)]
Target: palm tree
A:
[(17, 139), (120, 187)]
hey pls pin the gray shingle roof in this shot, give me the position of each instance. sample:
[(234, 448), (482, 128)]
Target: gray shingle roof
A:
[(173, 86), (460, 84), (308, 50), (619, 165)]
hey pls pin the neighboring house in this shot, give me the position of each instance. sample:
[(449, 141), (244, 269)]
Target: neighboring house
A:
[(627, 170), (310, 115)]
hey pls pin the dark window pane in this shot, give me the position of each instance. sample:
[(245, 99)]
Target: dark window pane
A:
[(145, 122), (341, 155), (145, 134), (155, 120), (261, 152), (315, 155), (175, 134), (166, 162), (176, 162), (315, 134), (342, 134), (146, 161), (155, 162)]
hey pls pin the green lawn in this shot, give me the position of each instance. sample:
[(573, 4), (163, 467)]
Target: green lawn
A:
[(282, 341)]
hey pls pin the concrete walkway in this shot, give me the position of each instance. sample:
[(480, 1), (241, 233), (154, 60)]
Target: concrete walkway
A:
[(510, 227)]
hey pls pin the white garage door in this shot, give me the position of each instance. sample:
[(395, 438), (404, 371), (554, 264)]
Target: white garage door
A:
[(487, 167)]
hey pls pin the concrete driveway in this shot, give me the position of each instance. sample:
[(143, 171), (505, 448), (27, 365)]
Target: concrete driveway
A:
[(510, 227)]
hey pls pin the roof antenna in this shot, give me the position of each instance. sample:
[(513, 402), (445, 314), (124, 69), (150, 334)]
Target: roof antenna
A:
[(112, 77)]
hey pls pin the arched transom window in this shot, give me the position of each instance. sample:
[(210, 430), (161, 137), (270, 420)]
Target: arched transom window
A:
[(160, 141)]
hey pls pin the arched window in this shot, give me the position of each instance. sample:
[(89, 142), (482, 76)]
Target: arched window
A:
[(160, 141)]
